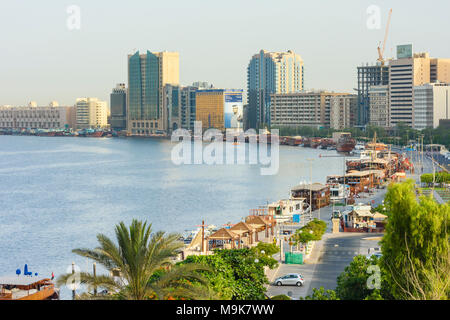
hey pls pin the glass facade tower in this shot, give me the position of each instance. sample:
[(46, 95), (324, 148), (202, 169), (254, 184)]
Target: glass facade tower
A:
[(147, 75), (268, 73)]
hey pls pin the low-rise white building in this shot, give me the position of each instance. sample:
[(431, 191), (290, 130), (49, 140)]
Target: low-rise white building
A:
[(34, 117), (314, 108)]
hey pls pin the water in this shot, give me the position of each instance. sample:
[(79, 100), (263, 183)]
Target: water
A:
[(58, 193)]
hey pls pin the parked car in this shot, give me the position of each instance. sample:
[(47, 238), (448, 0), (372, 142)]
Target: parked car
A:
[(293, 279)]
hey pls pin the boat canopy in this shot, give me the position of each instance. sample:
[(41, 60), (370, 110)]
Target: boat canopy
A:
[(21, 280)]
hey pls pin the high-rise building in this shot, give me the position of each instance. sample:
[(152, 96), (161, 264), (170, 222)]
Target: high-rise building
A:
[(91, 113), (379, 106), (405, 73), (147, 75), (172, 103), (368, 76), (118, 104), (180, 103), (408, 71), (188, 107), (431, 104), (269, 73), (342, 111), (312, 109), (440, 70), (220, 108)]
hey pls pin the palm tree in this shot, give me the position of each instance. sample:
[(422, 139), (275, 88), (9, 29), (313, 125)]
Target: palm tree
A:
[(144, 262)]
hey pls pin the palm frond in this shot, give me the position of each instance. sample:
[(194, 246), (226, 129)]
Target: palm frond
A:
[(85, 278)]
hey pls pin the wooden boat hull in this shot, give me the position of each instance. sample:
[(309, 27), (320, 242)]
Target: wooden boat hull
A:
[(44, 294)]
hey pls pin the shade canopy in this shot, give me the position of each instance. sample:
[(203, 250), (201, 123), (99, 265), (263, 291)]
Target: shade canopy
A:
[(256, 222), (379, 216), (241, 228), (223, 234), (21, 280)]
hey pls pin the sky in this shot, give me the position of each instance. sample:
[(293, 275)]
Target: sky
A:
[(42, 59)]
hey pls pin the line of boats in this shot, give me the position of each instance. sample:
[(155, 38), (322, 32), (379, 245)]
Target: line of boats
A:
[(372, 166), (344, 143), (95, 133)]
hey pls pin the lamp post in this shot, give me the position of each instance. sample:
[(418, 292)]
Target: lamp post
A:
[(310, 187)]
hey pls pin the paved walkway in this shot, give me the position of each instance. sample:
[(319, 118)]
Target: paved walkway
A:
[(437, 197), (328, 260)]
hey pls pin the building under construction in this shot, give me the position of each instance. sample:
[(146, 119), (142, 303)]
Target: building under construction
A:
[(369, 76)]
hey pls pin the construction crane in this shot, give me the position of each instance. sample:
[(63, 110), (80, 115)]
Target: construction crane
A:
[(381, 50)]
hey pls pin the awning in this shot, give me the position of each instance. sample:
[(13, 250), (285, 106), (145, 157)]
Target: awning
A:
[(223, 234), (241, 228)]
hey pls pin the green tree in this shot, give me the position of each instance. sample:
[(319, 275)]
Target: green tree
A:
[(415, 246), (354, 283), (426, 178), (264, 254), (143, 261), (280, 297), (312, 231), (381, 208), (238, 274), (322, 294)]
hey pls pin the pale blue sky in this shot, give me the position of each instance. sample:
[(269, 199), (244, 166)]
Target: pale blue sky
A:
[(41, 60)]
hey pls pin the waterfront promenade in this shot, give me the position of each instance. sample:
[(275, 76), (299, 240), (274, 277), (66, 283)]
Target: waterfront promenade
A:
[(334, 252), (329, 256)]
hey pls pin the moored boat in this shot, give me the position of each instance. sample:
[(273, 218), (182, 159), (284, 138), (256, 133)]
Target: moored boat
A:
[(95, 133), (27, 288), (345, 143), (315, 142)]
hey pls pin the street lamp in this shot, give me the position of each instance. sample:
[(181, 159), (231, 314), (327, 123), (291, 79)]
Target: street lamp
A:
[(310, 187)]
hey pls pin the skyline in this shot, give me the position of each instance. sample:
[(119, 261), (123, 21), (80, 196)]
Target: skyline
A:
[(44, 61)]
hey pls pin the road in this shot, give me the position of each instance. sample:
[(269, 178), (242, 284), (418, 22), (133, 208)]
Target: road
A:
[(421, 164), (330, 255), (335, 251), (336, 254)]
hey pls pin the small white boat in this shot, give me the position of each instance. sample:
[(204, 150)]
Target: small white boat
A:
[(359, 147)]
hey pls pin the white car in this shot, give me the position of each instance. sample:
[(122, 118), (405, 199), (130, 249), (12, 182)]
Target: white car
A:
[(293, 279)]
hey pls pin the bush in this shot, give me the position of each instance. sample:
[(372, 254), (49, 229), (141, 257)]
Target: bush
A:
[(280, 297), (322, 294), (312, 231)]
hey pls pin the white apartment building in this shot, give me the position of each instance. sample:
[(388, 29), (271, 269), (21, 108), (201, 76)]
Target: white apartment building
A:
[(312, 109), (34, 117), (379, 106), (91, 113), (431, 104)]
